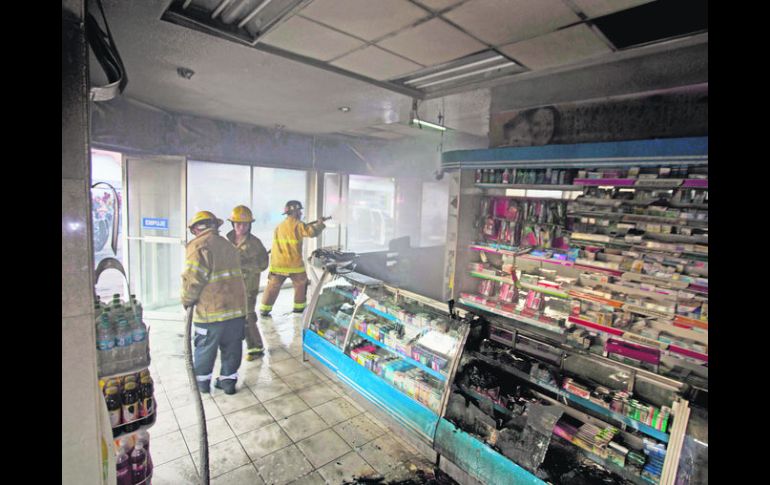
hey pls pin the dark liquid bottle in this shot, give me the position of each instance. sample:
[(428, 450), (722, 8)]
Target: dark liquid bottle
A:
[(130, 407), (147, 401), (114, 407)]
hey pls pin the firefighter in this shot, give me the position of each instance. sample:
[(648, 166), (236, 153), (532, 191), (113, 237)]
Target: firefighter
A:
[(286, 258), (213, 282), (253, 261)]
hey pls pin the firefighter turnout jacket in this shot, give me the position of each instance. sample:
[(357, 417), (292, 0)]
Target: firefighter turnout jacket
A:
[(212, 279), (254, 260), (286, 254)]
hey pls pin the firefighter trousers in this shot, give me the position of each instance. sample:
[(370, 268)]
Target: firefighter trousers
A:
[(274, 282), (253, 337), (223, 336)]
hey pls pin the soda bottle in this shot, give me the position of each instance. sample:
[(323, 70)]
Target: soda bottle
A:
[(147, 401), (130, 407), (114, 408), (144, 438), (123, 467), (138, 464)]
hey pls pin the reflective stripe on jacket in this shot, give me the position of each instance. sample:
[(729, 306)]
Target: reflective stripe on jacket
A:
[(212, 279), (286, 254), (254, 260)]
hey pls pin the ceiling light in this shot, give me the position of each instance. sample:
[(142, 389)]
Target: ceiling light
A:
[(233, 21), (428, 124), (344, 109)]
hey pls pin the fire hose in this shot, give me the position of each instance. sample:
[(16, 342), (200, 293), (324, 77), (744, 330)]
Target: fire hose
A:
[(203, 440)]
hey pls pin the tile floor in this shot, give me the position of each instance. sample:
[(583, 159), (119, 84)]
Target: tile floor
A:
[(288, 422)]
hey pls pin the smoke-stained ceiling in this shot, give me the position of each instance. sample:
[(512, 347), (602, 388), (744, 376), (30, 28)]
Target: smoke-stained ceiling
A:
[(302, 70)]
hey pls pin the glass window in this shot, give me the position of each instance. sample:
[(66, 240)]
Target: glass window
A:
[(107, 167), (217, 187), (433, 217), (273, 187), (370, 213), (332, 205)]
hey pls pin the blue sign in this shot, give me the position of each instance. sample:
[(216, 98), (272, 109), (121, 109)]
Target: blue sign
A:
[(154, 223)]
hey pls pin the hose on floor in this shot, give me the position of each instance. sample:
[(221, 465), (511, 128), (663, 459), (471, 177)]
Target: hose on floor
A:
[(203, 439)]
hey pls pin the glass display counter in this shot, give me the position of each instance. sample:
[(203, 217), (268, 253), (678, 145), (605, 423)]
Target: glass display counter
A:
[(398, 349)]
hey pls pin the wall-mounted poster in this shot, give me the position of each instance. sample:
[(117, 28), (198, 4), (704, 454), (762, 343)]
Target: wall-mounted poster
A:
[(681, 112)]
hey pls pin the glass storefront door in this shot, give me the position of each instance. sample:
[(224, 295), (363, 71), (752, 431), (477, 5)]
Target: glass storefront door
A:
[(156, 232)]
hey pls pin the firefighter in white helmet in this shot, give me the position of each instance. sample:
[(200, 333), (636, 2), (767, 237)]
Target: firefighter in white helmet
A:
[(286, 258), (213, 282), (254, 260)]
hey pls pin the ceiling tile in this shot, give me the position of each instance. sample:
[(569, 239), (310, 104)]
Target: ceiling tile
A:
[(503, 21), (367, 19), (597, 8), (432, 42), (557, 48), (376, 63), (310, 39), (437, 5)]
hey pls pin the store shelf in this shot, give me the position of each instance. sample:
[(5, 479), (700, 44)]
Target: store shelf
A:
[(137, 430), (621, 471), (696, 184), (438, 375), (344, 293), (527, 286), (326, 314), (513, 316), (663, 347), (385, 315), (125, 373), (529, 186), (585, 403)]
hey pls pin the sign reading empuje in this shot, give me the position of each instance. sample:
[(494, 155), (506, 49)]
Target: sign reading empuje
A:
[(154, 223)]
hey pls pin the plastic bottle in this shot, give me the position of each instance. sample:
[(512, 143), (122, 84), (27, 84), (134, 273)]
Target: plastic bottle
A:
[(105, 335), (123, 466), (124, 335), (138, 330), (138, 464), (138, 310), (114, 408), (147, 401), (144, 438), (130, 399)]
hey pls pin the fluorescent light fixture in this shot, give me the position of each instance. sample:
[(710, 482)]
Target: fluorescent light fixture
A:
[(454, 69), (467, 74), (428, 124)]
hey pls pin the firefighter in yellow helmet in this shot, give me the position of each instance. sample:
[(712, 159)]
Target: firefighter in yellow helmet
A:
[(286, 258), (253, 261), (213, 282)]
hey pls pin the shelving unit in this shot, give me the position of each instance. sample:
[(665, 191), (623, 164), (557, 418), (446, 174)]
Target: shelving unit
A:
[(606, 294)]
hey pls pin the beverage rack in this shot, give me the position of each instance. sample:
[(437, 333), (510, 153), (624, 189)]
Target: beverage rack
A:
[(590, 265), (115, 366)]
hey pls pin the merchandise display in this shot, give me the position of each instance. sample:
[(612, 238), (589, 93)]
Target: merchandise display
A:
[(594, 296), (627, 277), (130, 401), (404, 343), (133, 459), (121, 335)]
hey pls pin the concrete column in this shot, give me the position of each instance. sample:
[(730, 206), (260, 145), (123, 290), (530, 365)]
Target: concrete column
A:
[(81, 442)]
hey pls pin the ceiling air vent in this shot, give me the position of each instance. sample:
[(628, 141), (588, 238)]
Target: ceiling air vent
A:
[(242, 20), (483, 66)]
